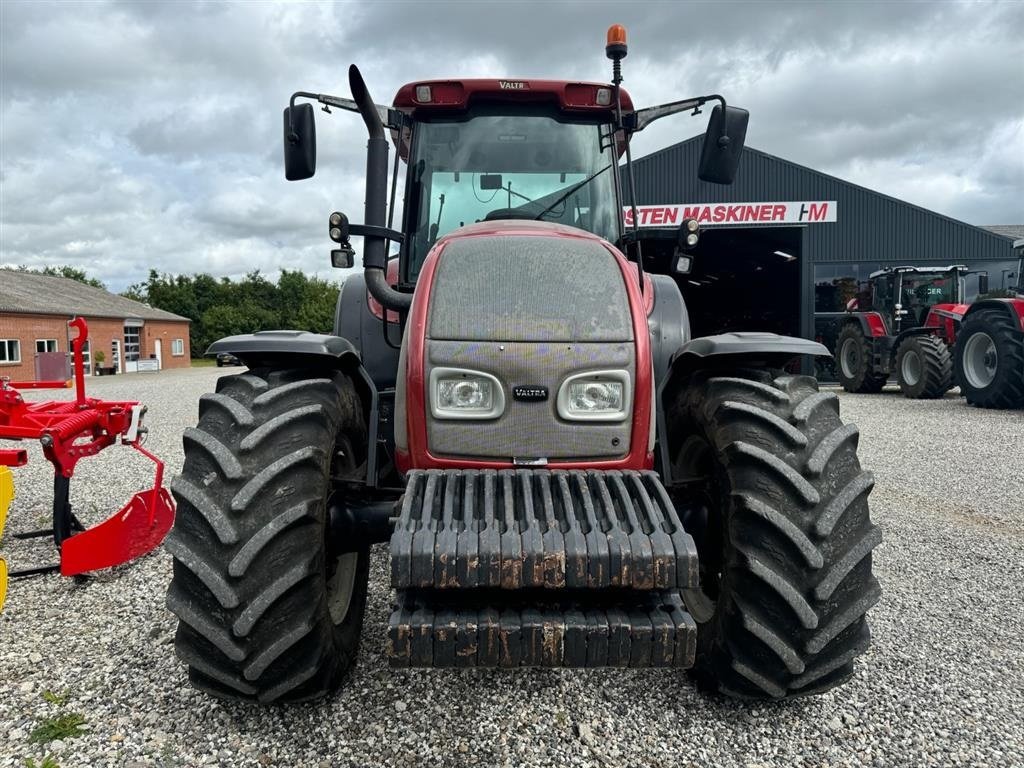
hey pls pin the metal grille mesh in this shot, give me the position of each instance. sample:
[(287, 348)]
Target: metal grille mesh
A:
[(529, 288)]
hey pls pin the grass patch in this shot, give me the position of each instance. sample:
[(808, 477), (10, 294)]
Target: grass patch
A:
[(62, 725), (65, 726), (203, 362), (48, 762), (57, 699)]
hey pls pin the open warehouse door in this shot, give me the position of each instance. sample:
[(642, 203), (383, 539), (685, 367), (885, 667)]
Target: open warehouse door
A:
[(742, 278)]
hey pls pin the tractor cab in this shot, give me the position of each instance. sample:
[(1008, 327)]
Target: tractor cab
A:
[(905, 296), (493, 150)]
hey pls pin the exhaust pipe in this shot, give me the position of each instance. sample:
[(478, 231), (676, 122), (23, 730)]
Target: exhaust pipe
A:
[(375, 257)]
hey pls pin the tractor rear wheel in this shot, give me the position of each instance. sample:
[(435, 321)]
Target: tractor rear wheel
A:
[(923, 367), (989, 361), (855, 362), (267, 611), (780, 517)]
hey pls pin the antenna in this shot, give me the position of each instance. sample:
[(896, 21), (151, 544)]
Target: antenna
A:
[(616, 50)]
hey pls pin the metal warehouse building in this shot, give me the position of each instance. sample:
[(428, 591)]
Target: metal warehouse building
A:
[(785, 241)]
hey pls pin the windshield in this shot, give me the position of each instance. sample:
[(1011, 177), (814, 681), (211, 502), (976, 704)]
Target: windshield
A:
[(921, 290), (493, 166)]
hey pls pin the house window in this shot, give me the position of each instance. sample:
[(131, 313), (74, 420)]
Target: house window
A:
[(10, 351), (131, 342), (177, 347), (46, 345), (86, 358)]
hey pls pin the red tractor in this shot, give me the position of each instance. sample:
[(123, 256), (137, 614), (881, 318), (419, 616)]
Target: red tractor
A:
[(563, 476), (909, 327), (988, 358)]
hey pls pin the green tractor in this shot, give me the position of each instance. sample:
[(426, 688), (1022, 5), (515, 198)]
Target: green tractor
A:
[(562, 475)]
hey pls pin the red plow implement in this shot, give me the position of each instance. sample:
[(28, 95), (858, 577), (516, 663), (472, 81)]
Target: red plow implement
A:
[(69, 431)]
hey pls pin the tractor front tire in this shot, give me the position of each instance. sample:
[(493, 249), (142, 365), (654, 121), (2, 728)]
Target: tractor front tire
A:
[(855, 362), (267, 612), (924, 369), (989, 361), (783, 533)]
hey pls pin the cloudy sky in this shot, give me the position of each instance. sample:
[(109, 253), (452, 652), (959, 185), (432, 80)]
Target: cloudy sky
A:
[(138, 135)]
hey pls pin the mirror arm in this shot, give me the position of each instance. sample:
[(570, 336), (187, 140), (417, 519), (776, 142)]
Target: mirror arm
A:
[(391, 118), (644, 117)]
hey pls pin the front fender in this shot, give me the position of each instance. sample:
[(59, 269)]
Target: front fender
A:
[(768, 349), (724, 351), (302, 348), (1010, 308), (272, 346)]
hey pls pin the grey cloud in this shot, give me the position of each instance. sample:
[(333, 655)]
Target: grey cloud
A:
[(147, 134)]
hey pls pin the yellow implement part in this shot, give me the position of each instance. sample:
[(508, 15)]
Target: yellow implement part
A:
[(6, 496)]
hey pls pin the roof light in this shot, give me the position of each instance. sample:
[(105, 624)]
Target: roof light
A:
[(616, 46), (604, 97), (423, 93), (786, 256)]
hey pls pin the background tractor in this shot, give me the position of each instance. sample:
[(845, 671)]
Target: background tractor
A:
[(988, 358), (563, 476), (909, 327)]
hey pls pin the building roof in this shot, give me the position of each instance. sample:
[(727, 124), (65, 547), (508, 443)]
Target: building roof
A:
[(37, 294), (870, 226), (1012, 231)]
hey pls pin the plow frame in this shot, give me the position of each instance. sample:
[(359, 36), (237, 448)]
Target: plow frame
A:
[(69, 431)]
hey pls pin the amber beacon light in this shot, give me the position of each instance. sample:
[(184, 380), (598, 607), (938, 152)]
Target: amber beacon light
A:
[(615, 48)]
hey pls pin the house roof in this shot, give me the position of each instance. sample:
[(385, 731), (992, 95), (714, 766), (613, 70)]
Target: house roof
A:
[(1012, 231), (37, 294)]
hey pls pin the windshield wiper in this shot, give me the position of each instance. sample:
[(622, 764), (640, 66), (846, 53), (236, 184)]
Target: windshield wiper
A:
[(572, 189)]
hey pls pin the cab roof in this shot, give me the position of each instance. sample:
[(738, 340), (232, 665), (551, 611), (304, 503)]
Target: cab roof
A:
[(579, 98)]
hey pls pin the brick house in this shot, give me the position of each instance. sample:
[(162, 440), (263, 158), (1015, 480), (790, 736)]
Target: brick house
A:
[(34, 310)]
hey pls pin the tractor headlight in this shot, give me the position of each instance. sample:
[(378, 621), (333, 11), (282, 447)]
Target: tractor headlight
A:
[(595, 396), (456, 393)]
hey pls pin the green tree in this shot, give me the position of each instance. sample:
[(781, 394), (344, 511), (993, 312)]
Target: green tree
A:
[(222, 307)]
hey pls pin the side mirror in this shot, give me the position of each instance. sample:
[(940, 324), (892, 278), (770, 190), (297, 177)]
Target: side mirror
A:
[(299, 142), (723, 144), (983, 282)]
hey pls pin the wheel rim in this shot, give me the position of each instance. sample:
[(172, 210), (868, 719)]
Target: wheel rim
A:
[(696, 459), (980, 360), (911, 368), (341, 586), (341, 574), (848, 358)]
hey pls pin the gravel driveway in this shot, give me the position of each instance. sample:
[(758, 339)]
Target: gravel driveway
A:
[(942, 684)]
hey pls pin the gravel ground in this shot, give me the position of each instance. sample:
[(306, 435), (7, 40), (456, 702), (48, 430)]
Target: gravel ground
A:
[(940, 686)]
